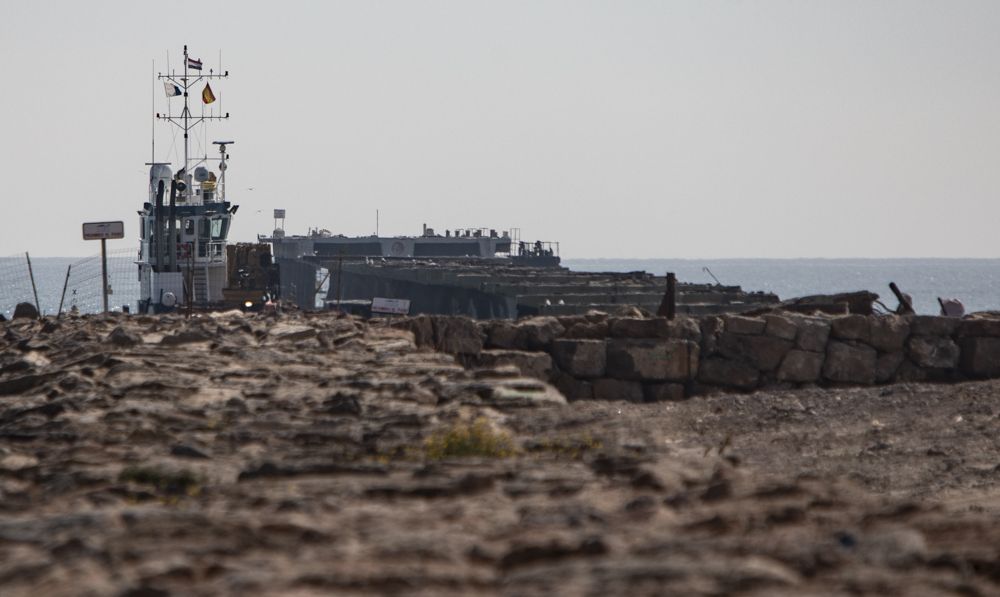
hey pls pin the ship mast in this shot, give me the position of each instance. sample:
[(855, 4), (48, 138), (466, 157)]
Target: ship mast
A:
[(185, 121)]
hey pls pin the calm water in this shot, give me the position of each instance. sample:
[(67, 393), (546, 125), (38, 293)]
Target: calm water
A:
[(976, 282)]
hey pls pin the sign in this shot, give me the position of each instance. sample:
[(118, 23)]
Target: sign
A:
[(103, 230), (391, 306), (279, 214)]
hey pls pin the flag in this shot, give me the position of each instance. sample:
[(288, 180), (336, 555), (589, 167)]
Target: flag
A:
[(171, 89), (195, 64), (206, 95)]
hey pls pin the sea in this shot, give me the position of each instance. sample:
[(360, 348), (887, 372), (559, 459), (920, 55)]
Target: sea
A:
[(975, 282)]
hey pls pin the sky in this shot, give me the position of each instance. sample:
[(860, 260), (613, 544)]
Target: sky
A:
[(668, 129)]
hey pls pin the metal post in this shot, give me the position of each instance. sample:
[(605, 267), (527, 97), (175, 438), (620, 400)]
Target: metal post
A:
[(34, 288), (668, 307), (65, 285), (340, 269), (104, 272)]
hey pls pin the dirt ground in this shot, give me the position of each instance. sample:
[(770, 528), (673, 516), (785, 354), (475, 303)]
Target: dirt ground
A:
[(305, 455)]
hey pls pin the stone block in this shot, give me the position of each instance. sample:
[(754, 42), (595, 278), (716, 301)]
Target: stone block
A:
[(457, 335), (852, 327), (850, 363), (663, 392), (814, 332), (538, 333), (652, 360), (908, 372), (979, 327), (501, 334), (981, 357), (889, 333), (637, 327), (618, 389), (934, 352), (747, 326), (932, 325), (780, 327), (801, 366), (684, 328), (763, 352), (587, 330), (887, 365), (716, 371), (573, 388), (530, 364), (581, 358), (711, 328)]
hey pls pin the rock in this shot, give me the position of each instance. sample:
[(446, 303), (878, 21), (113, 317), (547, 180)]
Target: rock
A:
[(852, 327), (581, 358), (456, 335), (887, 365), (933, 352), (538, 333), (850, 363), (889, 333), (749, 326), (981, 357), (780, 327), (587, 330), (573, 388), (501, 334), (684, 328), (931, 325), (763, 352), (717, 371), (530, 364), (711, 329), (422, 327), (25, 311), (801, 366), (979, 327), (637, 327), (814, 332), (120, 337), (187, 451), (908, 372), (519, 392), (186, 337), (287, 332), (663, 392), (652, 360), (618, 389)]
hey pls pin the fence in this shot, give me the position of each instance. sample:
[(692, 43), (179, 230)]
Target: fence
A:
[(15, 283), (79, 292), (83, 288)]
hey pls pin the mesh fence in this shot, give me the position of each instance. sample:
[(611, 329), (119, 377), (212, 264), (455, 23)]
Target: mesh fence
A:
[(15, 283), (83, 288)]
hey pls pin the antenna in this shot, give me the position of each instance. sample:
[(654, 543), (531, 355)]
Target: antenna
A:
[(186, 122), (376, 222)]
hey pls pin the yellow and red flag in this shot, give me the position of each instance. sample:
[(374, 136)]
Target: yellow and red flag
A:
[(206, 95)]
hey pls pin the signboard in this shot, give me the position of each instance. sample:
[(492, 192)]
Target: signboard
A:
[(279, 214), (102, 230), (390, 306)]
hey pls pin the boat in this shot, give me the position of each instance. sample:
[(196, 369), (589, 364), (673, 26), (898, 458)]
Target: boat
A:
[(185, 258)]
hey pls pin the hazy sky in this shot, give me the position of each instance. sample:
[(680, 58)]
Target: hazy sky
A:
[(622, 129)]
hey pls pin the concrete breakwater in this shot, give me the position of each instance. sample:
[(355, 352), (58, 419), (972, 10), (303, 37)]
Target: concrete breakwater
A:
[(637, 359)]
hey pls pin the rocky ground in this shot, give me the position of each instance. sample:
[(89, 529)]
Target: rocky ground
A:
[(295, 454)]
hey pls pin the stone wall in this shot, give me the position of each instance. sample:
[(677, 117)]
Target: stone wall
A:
[(602, 357)]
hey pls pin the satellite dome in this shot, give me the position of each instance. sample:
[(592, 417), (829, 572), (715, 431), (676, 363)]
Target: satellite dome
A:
[(201, 174)]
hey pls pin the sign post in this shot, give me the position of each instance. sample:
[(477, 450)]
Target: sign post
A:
[(104, 231)]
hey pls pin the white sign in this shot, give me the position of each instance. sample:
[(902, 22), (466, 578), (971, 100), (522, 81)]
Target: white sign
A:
[(99, 230), (279, 214), (390, 306)]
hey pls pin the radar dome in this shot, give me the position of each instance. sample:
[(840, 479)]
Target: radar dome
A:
[(201, 174)]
